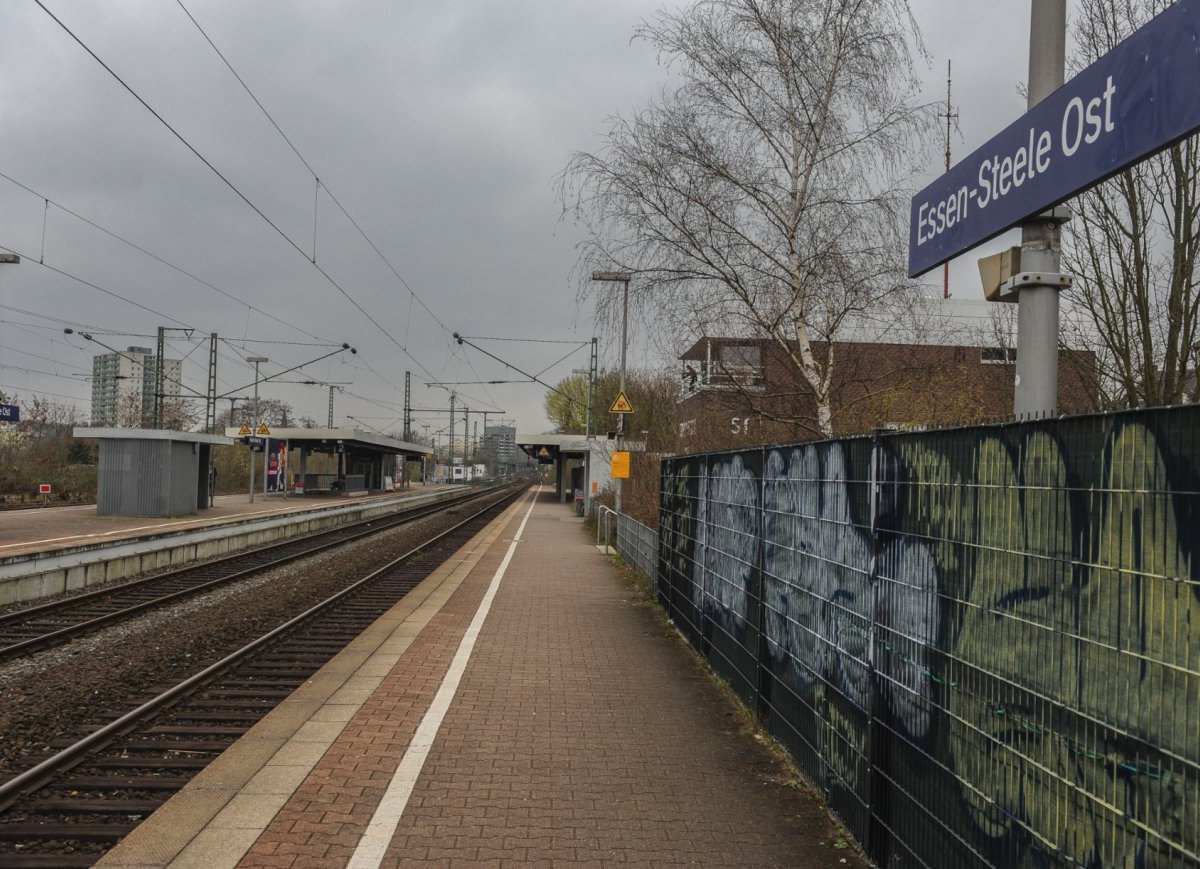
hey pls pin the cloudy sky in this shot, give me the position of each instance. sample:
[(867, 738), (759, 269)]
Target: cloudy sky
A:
[(438, 125)]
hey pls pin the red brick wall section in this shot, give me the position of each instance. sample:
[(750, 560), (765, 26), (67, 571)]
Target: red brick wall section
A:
[(876, 385)]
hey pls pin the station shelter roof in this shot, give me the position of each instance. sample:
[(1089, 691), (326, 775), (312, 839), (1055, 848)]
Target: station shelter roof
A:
[(546, 448), (351, 438), (150, 434)]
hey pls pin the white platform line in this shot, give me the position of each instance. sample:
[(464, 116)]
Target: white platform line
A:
[(381, 829)]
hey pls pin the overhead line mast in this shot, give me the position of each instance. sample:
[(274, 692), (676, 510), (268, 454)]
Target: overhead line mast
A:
[(950, 115)]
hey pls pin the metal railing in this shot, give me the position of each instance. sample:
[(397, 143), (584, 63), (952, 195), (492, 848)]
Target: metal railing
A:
[(637, 544), (605, 518), (983, 643)]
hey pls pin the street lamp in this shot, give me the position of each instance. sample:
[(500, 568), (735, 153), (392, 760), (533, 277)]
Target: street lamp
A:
[(621, 278), (256, 361)]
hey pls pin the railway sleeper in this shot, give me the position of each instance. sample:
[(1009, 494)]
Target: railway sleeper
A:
[(40, 861), (156, 762), (123, 783), (25, 831), (97, 807), (167, 730)]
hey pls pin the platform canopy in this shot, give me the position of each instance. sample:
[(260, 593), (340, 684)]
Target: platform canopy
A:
[(547, 448), (349, 438)]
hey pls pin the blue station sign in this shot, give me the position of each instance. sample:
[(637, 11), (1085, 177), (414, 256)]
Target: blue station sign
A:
[(10, 413), (1141, 97)]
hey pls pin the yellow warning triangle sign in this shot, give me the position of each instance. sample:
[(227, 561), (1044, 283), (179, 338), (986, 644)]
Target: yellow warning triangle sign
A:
[(244, 430), (621, 405), (263, 431)]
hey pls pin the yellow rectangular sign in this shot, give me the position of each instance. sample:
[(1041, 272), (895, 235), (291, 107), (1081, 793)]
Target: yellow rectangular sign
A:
[(620, 465)]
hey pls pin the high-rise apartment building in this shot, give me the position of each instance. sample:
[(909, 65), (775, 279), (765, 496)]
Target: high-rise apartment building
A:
[(123, 386), (500, 449)]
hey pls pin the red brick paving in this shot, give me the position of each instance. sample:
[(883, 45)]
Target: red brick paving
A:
[(583, 733)]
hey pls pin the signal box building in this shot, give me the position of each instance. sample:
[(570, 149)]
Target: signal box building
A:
[(744, 391)]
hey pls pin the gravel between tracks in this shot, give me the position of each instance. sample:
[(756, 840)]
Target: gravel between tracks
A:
[(55, 693)]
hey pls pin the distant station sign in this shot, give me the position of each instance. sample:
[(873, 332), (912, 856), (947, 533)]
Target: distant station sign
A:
[(1138, 99), (10, 413)]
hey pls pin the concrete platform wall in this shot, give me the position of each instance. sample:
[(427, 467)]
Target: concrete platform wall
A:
[(45, 574)]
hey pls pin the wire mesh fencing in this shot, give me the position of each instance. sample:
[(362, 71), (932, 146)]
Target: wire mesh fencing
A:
[(983, 643), (637, 544)]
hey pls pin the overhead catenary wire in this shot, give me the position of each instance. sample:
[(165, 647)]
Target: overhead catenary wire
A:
[(145, 252), (318, 183), (532, 378), (266, 219), (525, 340), (233, 187), (95, 286)]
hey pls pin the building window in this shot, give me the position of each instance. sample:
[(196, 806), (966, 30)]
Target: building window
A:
[(741, 356), (998, 355), (739, 365)]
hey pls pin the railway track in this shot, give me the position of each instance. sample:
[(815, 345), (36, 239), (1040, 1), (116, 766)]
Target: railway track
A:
[(45, 625), (67, 809)]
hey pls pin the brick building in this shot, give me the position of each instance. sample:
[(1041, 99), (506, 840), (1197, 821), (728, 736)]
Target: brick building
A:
[(744, 391)]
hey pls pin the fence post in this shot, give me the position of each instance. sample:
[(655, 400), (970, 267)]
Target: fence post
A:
[(878, 836), (762, 654)]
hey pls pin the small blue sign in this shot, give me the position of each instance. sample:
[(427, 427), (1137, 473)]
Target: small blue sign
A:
[(10, 413), (1138, 99)]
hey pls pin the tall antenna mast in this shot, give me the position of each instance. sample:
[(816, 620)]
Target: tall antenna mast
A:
[(950, 116)]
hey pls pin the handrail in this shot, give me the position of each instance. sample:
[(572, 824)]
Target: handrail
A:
[(603, 521)]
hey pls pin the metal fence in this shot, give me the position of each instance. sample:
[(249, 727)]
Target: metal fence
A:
[(984, 644), (637, 544)]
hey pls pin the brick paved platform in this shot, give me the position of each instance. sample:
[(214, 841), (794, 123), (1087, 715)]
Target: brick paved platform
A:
[(521, 707)]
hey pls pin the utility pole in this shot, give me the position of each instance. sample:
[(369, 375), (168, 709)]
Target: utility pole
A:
[(450, 451), (408, 406), (158, 378), (1036, 392), (255, 361), (950, 116), (593, 365), (210, 414)]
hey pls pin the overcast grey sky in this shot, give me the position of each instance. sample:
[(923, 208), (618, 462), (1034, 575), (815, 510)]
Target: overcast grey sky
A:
[(438, 125)]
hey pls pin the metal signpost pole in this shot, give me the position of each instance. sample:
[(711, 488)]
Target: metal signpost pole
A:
[(621, 418), (622, 278), (1036, 391)]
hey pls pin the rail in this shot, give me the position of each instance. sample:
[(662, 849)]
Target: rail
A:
[(43, 773), (49, 624)]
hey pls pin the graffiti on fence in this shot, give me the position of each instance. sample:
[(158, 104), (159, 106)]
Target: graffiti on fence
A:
[(728, 513), (1028, 597), (819, 561), (1084, 606)]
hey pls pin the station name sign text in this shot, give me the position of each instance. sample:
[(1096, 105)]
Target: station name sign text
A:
[(1138, 99)]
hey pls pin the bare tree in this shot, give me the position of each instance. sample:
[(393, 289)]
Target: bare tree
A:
[(1132, 247), (763, 196), (130, 413)]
